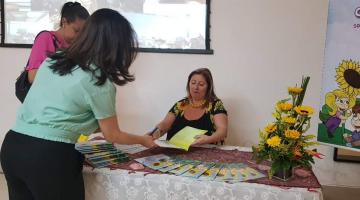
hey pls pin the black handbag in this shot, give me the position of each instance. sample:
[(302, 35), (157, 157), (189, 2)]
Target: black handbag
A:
[(22, 84)]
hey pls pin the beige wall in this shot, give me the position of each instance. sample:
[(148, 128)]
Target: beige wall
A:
[(261, 47)]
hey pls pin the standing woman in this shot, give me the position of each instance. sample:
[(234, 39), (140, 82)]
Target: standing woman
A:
[(73, 93), (72, 19)]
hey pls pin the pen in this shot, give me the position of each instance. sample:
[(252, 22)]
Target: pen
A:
[(153, 131)]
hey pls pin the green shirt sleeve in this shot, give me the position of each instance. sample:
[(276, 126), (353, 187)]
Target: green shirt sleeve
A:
[(102, 103)]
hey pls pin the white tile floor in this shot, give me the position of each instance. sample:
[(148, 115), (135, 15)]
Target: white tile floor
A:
[(3, 188)]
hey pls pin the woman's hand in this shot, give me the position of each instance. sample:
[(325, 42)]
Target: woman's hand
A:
[(201, 139), (110, 129), (156, 133), (148, 141), (163, 126)]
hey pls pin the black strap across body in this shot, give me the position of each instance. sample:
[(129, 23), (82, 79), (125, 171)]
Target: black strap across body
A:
[(22, 84)]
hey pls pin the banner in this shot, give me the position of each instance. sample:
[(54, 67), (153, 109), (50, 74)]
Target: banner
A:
[(340, 96)]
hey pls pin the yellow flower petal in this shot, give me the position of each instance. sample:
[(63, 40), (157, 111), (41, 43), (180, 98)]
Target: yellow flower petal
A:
[(295, 90), (285, 106), (274, 141), (304, 110), (344, 66), (270, 128), (289, 120), (292, 134)]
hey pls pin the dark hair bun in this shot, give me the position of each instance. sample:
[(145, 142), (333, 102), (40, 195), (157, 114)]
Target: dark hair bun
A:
[(71, 4), (72, 11)]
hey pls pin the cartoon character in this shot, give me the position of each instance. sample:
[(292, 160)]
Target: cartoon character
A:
[(336, 110), (354, 138)]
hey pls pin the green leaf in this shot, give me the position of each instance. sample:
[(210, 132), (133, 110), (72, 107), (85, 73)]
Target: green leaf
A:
[(304, 84), (283, 100), (308, 144), (308, 137)]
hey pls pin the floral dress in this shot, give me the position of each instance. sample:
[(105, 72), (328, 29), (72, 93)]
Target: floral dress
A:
[(205, 122)]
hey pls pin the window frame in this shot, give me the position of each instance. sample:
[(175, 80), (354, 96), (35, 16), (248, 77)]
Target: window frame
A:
[(207, 49)]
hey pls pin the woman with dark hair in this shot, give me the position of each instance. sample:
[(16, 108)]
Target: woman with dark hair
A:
[(72, 19), (73, 93), (200, 109)]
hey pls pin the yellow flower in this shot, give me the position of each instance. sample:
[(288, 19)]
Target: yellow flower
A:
[(274, 141), (289, 120), (295, 90), (292, 134), (304, 110), (284, 138), (270, 128), (346, 74), (285, 106)]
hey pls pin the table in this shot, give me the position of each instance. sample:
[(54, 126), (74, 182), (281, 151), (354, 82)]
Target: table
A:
[(122, 183)]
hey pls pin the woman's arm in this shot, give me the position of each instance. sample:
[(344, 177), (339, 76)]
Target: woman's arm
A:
[(44, 43), (112, 133), (164, 125), (221, 123), (31, 75)]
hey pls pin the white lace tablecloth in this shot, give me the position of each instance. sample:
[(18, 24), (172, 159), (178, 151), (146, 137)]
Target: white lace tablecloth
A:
[(101, 184)]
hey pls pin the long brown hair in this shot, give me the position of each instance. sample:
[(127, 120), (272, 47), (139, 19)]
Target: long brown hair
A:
[(107, 41), (210, 95)]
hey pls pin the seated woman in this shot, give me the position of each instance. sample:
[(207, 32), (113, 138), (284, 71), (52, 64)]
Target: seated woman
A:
[(200, 109)]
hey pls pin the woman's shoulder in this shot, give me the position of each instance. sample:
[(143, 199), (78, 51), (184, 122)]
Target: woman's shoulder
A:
[(87, 80), (42, 35), (218, 106), (183, 100), (179, 106), (217, 101)]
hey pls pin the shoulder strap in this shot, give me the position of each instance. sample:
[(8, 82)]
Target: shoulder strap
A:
[(54, 39)]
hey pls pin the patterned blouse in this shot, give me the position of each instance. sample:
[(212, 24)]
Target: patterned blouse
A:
[(205, 122)]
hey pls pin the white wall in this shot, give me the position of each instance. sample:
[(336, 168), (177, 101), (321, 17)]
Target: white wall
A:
[(261, 47)]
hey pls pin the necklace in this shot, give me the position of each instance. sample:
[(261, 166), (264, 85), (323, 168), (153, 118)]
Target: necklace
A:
[(198, 104)]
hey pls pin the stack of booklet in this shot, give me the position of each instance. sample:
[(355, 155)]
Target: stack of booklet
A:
[(229, 172), (182, 139), (101, 153), (130, 148)]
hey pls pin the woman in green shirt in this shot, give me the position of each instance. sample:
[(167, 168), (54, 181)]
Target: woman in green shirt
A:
[(73, 93)]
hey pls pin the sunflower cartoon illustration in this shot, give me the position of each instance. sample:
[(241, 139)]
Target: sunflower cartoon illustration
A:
[(339, 102), (348, 77)]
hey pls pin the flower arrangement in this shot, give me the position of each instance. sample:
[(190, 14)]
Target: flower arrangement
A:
[(283, 141)]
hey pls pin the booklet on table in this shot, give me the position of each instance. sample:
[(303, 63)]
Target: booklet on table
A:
[(182, 139)]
